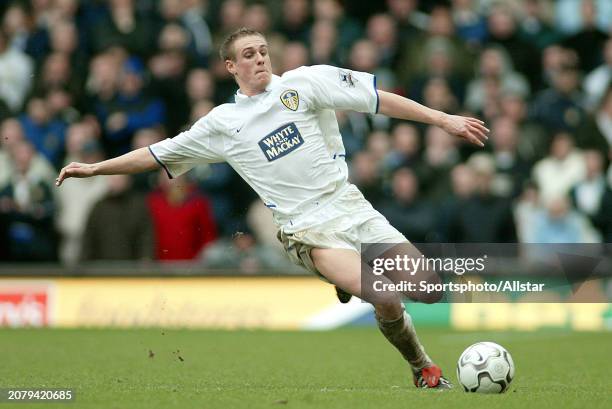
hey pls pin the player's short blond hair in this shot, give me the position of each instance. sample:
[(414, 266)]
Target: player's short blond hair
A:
[(226, 51)]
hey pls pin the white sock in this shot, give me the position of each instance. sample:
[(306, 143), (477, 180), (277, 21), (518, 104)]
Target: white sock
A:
[(401, 333)]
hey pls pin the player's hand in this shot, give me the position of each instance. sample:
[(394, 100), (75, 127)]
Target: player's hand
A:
[(470, 129), (75, 170)]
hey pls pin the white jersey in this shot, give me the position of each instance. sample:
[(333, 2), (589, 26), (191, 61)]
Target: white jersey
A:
[(284, 142)]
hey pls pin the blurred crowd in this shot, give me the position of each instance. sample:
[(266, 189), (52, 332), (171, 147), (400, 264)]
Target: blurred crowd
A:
[(91, 79)]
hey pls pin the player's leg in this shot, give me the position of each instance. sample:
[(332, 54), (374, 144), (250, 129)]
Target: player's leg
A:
[(343, 268), (415, 275), (380, 240)]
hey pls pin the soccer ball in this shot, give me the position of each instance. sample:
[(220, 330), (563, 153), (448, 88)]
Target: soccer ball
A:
[(485, 367)]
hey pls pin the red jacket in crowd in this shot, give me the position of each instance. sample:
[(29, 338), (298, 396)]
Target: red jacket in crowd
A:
[(183, 221)]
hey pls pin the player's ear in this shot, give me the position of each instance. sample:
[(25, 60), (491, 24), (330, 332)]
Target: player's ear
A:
[(230, 66)]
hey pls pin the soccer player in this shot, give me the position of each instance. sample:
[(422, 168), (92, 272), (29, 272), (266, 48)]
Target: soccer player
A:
[(282, 137)]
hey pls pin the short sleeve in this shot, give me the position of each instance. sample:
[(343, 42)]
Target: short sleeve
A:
[(202, 143), (340, 88)]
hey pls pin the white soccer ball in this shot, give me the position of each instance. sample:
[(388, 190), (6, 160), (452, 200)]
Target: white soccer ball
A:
[(485, 367)]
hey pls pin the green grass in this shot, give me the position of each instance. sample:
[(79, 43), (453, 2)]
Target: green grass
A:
[(349, 368)]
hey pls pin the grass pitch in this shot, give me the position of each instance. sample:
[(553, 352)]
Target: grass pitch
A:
[(348, 368)]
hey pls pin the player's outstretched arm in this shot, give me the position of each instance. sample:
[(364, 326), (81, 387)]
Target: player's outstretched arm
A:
[(139, 160), (396, 106)]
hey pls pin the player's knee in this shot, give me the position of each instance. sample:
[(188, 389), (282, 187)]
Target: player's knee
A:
[(430, 297), (430, 292)]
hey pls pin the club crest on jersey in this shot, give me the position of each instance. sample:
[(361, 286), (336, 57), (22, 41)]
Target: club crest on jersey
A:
[(290, 99), (281, 142)]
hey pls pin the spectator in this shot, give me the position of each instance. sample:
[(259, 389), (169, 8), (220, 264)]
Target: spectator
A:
[(405, 151), (587, 195), (333, 12), (440, 156), (16, 71), (26, 211), (365, 175), (589, 56), (62, 105), (382, 31), (440, 66), (169, 69), (440, 28), (66, 40), (512, 170), (463, 185), (11, 135), (603, 220), (569, 14), (68, 10), (194, 20), (122, 26), (16, 25), (44, 131), (596, 132), (364, 56), (354, 130), (560, 170), (77, 199), (324, 47), (23, 32), (495, 77), (527, 210), (182, 218), (533, 140), (119, 226), (244, 254), (554, 59), (200, 85), (471, 25), (410, 21), (378, 145), (260, 221), (257, 17), (560, 107), (190, 16), (535, 25), (103, 80), (504, 32), (295, 55), (131, 109), (558, 223), (230, 18), (57, 73), (406, 210), (216, 181), (295, 20), (437, 94), (599, 80), (494, 215)]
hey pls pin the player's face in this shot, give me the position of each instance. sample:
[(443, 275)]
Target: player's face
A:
[(251, 67)]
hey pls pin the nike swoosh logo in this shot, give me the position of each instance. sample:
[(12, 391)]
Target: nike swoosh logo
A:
[(238, 130)]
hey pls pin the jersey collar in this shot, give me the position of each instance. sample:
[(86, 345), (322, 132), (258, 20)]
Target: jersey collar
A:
[(241, 98)]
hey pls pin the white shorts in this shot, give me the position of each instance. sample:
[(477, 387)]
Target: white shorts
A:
[(345, 223)]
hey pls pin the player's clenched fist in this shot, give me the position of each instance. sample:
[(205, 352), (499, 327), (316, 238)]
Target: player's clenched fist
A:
[(75, 170)]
